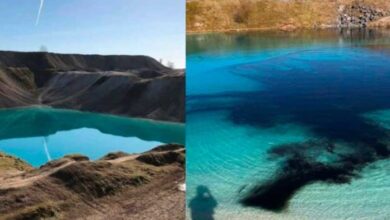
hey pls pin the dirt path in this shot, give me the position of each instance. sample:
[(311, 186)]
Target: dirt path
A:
[(20, 180), (74, 188), (123, 159)]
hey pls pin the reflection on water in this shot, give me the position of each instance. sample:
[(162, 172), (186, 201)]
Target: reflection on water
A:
[(320, 84), (222, 44), (38, 135), (32, 122), (45, 140)]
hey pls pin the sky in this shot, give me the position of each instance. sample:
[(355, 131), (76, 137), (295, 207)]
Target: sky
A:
[(128, 27)]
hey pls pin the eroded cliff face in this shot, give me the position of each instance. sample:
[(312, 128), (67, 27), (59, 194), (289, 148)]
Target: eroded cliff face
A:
[(136, 86)]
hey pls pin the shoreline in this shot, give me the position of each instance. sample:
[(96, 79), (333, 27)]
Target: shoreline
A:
[(247, 30), (98, 113)]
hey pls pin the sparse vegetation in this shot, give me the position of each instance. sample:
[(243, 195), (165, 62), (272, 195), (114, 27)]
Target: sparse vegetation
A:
[(75, 188), (8, 162), (223, 15)]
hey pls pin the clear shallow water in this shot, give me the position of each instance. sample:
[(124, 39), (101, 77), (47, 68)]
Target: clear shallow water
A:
[(37, 135), (250, 94)]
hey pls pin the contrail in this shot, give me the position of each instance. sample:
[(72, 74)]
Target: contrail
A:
[(39, 12), (45, 140)]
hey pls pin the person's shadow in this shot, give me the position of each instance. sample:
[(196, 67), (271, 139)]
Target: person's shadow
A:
[(203, 204)]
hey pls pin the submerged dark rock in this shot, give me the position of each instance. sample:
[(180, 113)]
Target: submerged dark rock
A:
[(136, 86), (322, 96), (301, 165)]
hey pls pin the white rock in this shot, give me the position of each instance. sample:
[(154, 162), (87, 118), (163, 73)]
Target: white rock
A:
[(182, 187)]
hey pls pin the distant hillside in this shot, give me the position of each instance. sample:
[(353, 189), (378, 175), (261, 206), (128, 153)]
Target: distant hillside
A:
[(136, 86), (225, 15)]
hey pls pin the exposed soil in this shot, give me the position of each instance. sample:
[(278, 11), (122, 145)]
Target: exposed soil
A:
[(136, 86), (118, 186), (286, 15)]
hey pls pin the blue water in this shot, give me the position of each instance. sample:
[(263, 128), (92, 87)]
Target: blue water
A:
[(38, 135), (269, 111)]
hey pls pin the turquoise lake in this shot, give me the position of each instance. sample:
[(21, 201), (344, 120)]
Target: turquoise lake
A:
[(287, 125), (38, 135)]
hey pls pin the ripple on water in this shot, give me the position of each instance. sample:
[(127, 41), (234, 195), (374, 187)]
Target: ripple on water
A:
[(227, 141)]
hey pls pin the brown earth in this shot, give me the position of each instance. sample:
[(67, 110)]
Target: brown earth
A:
[(381, 23), (10, 164), (118, 186), (136, 86), (288, 15)]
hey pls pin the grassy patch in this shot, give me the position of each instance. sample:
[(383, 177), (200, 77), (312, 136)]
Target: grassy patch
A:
[(8, 162)]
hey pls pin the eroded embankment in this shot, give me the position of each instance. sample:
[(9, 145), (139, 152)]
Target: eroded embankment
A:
[(136, 86), (118, 186)]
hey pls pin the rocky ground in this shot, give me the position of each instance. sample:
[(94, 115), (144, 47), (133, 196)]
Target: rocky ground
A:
[(287, 15), (359, 14), (136, 86), (118, 186)]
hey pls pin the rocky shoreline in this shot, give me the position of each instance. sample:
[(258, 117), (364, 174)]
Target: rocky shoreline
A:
[(359, 15), (118, 186), (206, 16)]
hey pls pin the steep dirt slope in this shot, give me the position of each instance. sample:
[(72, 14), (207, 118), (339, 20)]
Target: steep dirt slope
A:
[(137, 86)]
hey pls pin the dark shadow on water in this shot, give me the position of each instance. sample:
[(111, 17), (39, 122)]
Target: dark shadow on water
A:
[(326, 96), (203, 204)]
